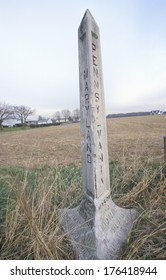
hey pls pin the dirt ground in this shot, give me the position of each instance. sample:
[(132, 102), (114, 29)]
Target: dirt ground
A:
[(127, 138)]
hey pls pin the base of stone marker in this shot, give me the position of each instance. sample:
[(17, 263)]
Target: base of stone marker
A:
[(101, 239)]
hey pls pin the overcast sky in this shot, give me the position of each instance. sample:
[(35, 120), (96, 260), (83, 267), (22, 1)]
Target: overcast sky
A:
[(39, 53)]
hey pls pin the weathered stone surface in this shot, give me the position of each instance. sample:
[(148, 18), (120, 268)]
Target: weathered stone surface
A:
[(97, 228)]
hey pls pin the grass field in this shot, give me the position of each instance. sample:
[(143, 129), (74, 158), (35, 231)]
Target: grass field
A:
[(40, 171), (127, 137)]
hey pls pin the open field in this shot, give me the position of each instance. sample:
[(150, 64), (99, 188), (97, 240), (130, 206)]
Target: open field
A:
[(40, 172), (127, 137)]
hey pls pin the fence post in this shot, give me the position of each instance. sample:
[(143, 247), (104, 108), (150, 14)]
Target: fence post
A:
[(164, 154)]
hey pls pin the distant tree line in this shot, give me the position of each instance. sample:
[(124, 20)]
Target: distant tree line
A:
[(67, 115), (132, 114), (22, 112), (59, 117)]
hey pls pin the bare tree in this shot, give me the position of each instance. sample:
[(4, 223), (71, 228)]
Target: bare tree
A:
[(57, 116), (76, 115), (6, 112), (40, 118), (66, 114), (22, 112)]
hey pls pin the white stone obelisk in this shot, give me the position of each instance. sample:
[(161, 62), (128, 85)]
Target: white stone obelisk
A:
[(97, 228)]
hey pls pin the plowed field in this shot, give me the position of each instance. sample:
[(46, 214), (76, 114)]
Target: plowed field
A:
[(127, 138)]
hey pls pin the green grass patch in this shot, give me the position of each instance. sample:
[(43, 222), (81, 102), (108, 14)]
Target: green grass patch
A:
[(13, 129)]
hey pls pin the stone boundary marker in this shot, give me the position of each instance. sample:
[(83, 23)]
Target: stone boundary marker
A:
[(97, 228)]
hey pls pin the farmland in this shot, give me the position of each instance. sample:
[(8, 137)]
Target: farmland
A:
[(127, 137), (40, 171)]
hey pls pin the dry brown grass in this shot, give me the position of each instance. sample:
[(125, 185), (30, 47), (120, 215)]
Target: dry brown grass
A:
[(142, 184), (30, 228)]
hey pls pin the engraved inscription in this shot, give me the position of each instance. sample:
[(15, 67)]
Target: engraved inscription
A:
[(87, 126), (97, 100)]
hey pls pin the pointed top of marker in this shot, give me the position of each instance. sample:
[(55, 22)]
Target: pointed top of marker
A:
[(88, 18), (87, 14)]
